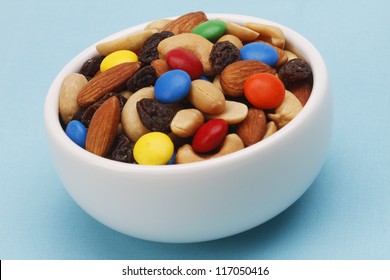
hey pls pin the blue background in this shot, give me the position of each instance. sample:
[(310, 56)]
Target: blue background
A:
[(345, 214)]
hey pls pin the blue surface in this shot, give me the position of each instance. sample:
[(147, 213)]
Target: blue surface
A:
[(344, 215)]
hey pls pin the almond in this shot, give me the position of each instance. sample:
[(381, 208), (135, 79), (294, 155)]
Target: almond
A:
[(160, 65), (253, 128), (185, 23), (302, 90), (233, 77), (103, 127), (106, 82)]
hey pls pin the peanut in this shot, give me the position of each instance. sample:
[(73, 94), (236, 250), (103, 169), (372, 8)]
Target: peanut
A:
[(285, 112), (157, 25), (269, 33), (70, 88), (234, 113), (206, 97), (232, 143), (186, 122), (232, 39), (241, 32), (270, 128)]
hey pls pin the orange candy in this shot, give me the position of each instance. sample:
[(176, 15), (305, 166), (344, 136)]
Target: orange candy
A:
[(264, 90)]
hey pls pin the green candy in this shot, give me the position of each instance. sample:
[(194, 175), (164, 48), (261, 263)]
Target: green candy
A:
[(211, 30)]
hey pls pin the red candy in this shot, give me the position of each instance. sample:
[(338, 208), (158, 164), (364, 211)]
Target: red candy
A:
[(210, 136), (185, 60), (264, 91)]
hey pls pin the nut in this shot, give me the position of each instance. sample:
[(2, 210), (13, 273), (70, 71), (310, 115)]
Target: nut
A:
[(198, 45), (290, 55), (270, 128), (105, 82), (186, 122), (233, 77), (160, 65), (70, 88), (217, 82), (125, 93), (185, 23), (157, 25), (132, 42), (241, 32), (286, 111), (282, 57), (234, 113), (252, 129), (206, 97), (132, 125), (302, 90), (269, 33), (103, 127), (186, 153), (232, 39)]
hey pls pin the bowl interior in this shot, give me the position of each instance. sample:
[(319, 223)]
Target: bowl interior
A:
[(295, 42)]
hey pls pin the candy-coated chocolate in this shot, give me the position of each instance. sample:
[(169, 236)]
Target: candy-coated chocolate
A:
[(172, 86), (153, 148), (173, 158), (185, 60), (264, 90), (77, 132), (205, 78), (116, 58), (210, 136), (211, 29), (259, 51)]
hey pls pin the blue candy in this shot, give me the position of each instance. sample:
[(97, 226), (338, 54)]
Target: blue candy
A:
[(172, 86), (261, 52), (203, 77), (77, 132), (173, 158)]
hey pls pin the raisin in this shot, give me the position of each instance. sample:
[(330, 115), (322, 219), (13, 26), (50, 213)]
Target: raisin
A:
[(122, 149), (154, 115), (91, 66), (149, 52), (85, 114), (223, 54), (122, 101), (294, 70), (79, 114), (145, 77)]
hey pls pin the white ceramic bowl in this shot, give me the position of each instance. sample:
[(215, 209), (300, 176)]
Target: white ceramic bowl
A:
[(205, 200)]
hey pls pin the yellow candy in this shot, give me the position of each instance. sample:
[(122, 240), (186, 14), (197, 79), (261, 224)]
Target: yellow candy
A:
[(153, 148), (116, 58)]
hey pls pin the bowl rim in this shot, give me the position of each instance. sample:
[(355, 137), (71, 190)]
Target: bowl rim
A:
[(306, 50)]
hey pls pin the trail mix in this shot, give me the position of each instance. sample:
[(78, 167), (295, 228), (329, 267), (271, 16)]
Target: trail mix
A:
[(184, 90)]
